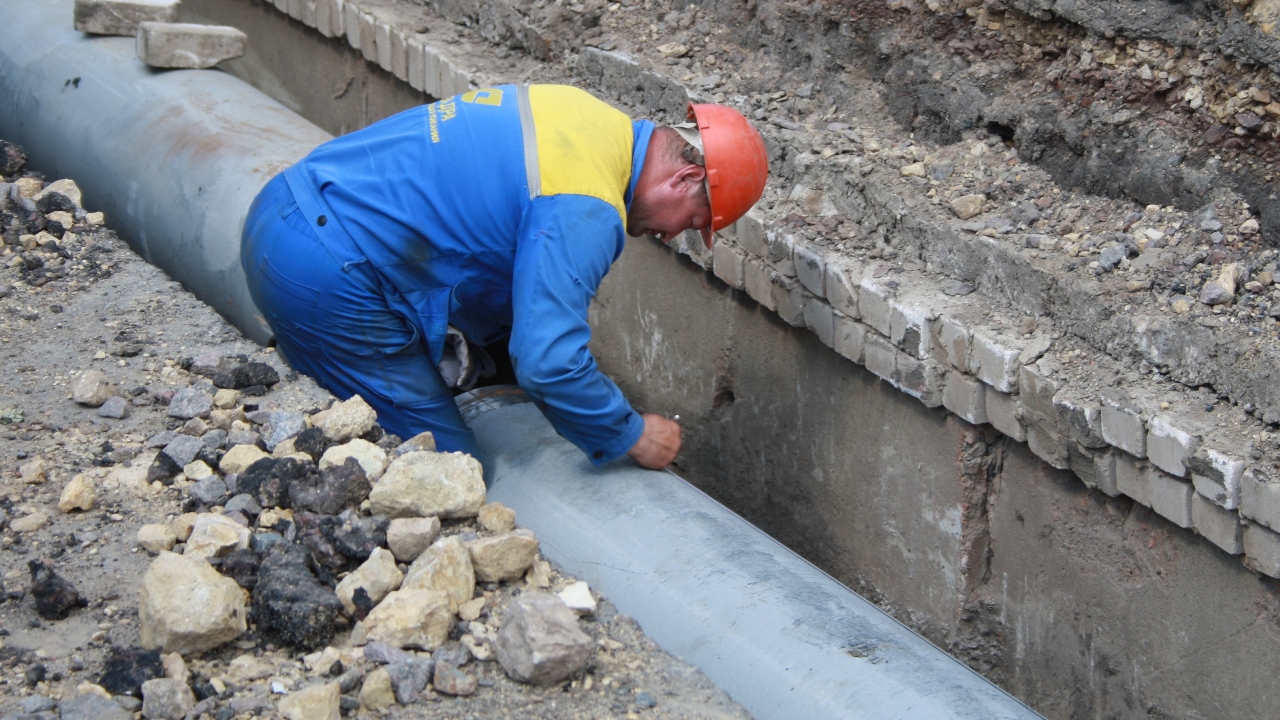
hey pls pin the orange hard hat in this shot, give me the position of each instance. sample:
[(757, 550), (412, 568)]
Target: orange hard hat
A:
[(736, 161)]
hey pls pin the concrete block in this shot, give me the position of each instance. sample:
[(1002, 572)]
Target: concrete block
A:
[(182, 45), (1216, 475), (415, 63), (921, 379), (281, 5), (309, 8), (295, 9), (873, 305), (1170, 497), (994, 363), (729, 264), (1104, 471), (1037, 390), (756, 280), (399, 54), (788, 298), (953, 341), (1218, 525), (122, 17), (1004, 415), (1262, 550), (1044, 439), (368, 28), (811, 267), (1081, 462), (329, 18), (351, 24), (382, 43), (819, 318), (850, 337), (1260, 499), (431, 71), (879, 355), (966, 396), (842, 290), (781, 252), (910, 328), (1168, 446), (1122, 423), (1132, 478), (1080, 419), (751, 235)]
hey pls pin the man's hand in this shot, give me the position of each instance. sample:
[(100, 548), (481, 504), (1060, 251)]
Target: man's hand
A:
[(659, 443)]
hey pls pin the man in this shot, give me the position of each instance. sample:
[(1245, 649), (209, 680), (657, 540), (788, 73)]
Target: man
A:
[(385, 255)]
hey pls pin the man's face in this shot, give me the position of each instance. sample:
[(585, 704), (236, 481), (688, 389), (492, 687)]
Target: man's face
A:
[(669, 208)]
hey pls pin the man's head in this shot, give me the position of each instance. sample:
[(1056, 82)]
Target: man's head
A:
[(704, 175)]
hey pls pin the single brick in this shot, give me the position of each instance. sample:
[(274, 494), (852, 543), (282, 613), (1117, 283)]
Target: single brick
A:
[(1104, 471), (1169, 447), (351, 24), (729, 265), (122, 17), (781, 252), (1037, 390), (757, 282), (1132, 478), (1262, 550), (1171, 497), (811, 267), (1216, 476), (880, 355), (873, 304), (953, 341), (1081, 419), (910, 328), (842, 290), (1044, 440), (183, 45), (416, 63), (788, 298), (966, 396), (1219, 526), (281, 5), (850, 337), (994, 363), (1122, 424), (751, 235), (1260, 499), (1003, 414), (819, 318), (329, 18), (296, 9), (368, 29), (921, 379), (399, 54), (431, 72)]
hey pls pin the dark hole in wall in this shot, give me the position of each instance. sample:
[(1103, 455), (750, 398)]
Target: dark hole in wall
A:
[(1003, 131)]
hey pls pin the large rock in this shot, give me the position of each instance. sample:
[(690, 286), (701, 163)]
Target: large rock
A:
[(186, 45), (33, 471), (185, 606), (332, 491), (166, 699), (409, 537), (156, 538), (215, 536), (121, 17), (447, 485), (444, 567), (345, 420), (378, 576), (376, 691), (92, 388), (371, 457), (504, 557), (289, 603), (411, 618), (540, 641), (318, 702), (79, 494)]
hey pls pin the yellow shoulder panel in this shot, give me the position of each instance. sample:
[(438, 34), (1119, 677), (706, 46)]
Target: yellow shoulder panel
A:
[(584, 145)]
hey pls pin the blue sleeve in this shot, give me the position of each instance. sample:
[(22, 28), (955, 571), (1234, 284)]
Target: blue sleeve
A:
[(566, 245)]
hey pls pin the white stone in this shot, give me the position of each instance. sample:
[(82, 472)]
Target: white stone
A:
[(156, 538), (994, 363), (577, 596), (215, 535), (504, 557), (411, 618), (378, 575), (1171, 498), (121, 17), (1220, 526), (197, 470), (33, 471), (92, 388), (186, 606), (79, 494), (240, 458), (966, 396), (1169, 447), (318, 702), (1216, 476), (371, 457), (345, 420), (66, 188), (418, 484), (408, 538), (444, 567), (185, 45)]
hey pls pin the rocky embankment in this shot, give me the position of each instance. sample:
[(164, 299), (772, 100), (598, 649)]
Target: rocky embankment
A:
[(190, 530)]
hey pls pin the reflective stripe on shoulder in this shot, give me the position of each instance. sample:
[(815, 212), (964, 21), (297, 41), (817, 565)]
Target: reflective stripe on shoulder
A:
[(529, 133)]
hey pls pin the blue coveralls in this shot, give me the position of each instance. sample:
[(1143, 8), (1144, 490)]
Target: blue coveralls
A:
[(497, 211)]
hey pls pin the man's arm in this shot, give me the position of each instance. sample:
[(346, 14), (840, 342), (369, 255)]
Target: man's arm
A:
[(566, 245)]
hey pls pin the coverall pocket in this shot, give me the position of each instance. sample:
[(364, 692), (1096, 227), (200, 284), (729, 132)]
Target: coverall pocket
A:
[(287, 301)]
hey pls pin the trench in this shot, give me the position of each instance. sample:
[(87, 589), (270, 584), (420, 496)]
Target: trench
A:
[(1079, 604)]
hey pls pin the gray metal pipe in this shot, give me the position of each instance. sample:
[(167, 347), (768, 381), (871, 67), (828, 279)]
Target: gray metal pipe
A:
[(780, 636), (174, 158)]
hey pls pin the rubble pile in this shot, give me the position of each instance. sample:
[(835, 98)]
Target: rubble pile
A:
[(191, 530)]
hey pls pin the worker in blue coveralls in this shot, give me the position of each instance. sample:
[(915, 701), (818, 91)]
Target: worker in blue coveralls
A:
[(384, 258)]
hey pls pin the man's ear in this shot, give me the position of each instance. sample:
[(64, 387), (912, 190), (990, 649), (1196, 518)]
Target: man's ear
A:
[(691, 176)]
